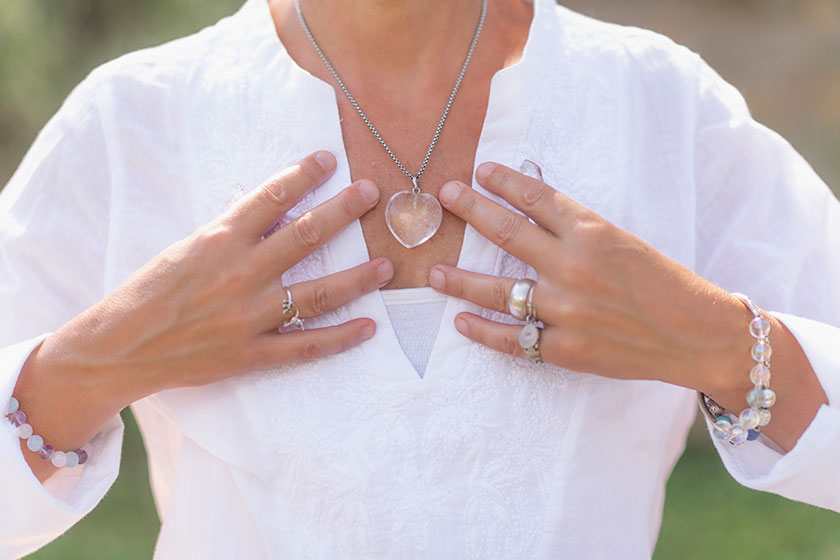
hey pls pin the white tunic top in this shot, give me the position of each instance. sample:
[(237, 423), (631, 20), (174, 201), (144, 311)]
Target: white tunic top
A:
[(356, 456)]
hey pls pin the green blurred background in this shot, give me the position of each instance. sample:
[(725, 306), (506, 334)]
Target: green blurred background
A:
[(784, 55)]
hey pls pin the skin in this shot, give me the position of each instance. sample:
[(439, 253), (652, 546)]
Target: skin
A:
[(177, 322), (396, 59), (606, 288), (396, 69), (205, 309)]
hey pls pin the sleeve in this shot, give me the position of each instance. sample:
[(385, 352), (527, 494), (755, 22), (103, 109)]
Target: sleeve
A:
[(769, 227), (54, 215)]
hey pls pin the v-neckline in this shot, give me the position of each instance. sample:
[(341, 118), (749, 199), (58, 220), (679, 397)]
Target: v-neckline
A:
[(499, 139)]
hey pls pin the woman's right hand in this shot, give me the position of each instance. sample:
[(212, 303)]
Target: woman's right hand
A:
[(209, 306)]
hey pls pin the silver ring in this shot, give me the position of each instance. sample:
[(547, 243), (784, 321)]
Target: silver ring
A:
[(519, 299), (529, 340), (530, 309), (289, 307)]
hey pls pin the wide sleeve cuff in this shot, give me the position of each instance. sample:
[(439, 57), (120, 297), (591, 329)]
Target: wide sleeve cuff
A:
[(33, 514), (808, 472)]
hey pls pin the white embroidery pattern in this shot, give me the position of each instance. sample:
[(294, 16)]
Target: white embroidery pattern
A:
[(473, 445)]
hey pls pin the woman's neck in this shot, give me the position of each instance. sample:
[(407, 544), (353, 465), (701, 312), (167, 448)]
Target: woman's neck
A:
[(395, 36), (407, 45)]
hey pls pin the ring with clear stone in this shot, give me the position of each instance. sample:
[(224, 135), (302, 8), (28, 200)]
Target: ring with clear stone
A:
[(529, 340)]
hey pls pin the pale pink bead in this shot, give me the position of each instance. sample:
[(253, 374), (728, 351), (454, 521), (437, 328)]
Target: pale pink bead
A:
[(24, 431), (59, 459)]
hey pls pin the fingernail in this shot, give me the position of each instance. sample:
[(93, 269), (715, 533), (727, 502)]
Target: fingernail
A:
[(449, 192), (484, 170), (384, 273), (437, 279), (462, 326), (369, 192), (367, 332), (326, 159)]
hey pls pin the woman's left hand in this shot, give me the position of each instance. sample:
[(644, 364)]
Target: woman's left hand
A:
[(609, 302)]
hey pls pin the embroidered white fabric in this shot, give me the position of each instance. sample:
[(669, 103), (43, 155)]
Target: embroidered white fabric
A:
[(415, 315), (355, 456)]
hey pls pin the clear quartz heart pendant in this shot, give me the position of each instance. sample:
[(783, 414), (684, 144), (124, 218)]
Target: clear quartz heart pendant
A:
[(413, 217)]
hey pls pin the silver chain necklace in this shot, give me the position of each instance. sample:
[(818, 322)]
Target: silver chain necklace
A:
[(413, 217)]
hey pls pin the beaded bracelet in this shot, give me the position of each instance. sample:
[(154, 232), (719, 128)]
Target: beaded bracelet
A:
[(747, 425), (36, 443)]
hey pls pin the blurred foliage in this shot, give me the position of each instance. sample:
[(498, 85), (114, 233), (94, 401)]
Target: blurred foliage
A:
[(783, 54), (48, 46)]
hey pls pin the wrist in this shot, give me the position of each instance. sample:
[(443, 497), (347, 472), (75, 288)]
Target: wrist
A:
[(737, 428), (67, 401), (723, 371)]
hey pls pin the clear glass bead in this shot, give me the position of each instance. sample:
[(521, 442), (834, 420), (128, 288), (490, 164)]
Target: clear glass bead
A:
[(24, 431), (761, 398), (72, 459), (13, 406), (721, 428), (59, 458), (35, 443), (750, 418), (764, 416), (531, 169), (760, 375), (761, 351), (759, 327), (737, 435)]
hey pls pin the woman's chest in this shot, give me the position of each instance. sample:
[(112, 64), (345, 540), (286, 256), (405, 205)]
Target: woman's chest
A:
[(408, 132), (589, 148)]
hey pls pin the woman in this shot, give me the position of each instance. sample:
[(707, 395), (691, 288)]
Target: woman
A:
[(364, 433)]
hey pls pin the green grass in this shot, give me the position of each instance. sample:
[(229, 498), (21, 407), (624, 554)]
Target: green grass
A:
[(709, 515)]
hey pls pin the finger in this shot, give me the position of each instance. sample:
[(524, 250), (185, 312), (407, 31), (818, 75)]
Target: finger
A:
[(299, 238), (503, 337), (546, 206), (316, 297), (275, 348), (509, 230), (498, 336), (258, 212), (487, 291)]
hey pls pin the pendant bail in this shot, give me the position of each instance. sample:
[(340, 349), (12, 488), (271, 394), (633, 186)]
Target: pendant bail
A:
[(416, 189)]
